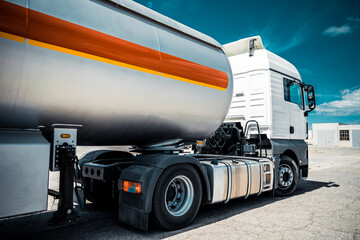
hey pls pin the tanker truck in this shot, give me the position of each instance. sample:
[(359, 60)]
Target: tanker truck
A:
[(113, 72)]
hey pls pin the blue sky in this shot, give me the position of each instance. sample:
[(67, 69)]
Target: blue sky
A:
[(321, 38)]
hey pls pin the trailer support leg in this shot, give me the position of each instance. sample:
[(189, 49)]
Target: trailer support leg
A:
[(65, 212), (65, 156)]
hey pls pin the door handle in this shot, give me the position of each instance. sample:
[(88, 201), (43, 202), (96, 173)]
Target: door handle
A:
[(292, 130)]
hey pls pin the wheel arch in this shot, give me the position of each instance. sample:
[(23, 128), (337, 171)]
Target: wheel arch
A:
[(156, 165), (292, 155), (179, 160), (290, 148)]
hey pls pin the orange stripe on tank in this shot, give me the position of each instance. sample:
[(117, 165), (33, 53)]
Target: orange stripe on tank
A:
[(99, 46), (89, 56), (12, 37), (12, 18)]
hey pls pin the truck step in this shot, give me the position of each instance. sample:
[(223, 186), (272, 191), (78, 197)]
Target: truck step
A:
[(55, 194)]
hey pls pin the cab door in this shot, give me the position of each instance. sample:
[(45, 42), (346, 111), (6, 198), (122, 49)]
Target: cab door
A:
[(294, 97)]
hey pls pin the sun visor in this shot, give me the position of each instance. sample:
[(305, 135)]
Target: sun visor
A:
[(242, 46)]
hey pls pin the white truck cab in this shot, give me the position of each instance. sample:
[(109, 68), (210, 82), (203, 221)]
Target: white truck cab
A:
[(266, 89), (269, 94)]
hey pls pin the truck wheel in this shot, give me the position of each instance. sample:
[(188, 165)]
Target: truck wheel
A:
[(177, 197), (288, 176)]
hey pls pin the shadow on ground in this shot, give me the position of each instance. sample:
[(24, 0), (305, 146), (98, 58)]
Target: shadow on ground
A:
[(102, 223)]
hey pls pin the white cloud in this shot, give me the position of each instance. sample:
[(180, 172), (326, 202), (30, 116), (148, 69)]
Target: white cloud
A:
[(336, 31), (349, 105), (351, 24)]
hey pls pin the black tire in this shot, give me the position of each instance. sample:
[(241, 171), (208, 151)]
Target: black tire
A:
[(288, 176), (177, 197)]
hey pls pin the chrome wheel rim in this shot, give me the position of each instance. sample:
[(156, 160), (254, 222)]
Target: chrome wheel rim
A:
[(179, 195), (286, 176)]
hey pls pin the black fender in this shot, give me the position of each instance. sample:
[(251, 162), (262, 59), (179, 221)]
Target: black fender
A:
[(276, 171), (296, 149), (147, 169)]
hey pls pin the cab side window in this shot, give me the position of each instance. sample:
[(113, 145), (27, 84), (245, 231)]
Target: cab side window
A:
[(293, 93)]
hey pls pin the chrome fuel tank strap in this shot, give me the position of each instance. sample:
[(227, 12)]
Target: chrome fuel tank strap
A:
[(228, 166), (249, 179), (261, 177)]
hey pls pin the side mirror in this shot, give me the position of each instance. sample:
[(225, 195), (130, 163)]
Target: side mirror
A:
[(311, 98)]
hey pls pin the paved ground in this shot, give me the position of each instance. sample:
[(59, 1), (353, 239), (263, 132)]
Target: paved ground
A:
[(326, 206)]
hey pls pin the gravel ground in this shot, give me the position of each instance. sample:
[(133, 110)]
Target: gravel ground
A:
[(325, 206)]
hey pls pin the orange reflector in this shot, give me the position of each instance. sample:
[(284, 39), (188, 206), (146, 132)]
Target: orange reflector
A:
[(65, 135), (131, 187), (199, 142)]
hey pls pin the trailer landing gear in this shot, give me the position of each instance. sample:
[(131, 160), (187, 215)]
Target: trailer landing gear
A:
[(63, 159)]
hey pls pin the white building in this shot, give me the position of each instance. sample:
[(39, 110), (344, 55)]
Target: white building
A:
[(335, 135)]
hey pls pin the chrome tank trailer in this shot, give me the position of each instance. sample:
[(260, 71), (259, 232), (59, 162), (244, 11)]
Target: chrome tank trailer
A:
[(126, 73)]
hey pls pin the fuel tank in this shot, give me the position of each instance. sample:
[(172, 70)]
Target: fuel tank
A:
[(240, 177), (129, 75)]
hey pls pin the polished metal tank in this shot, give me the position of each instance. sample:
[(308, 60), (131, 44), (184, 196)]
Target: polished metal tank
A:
[(240, 177), (129, 75)]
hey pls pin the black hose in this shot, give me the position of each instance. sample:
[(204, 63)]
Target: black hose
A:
[(79, 176), (223, 134)]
